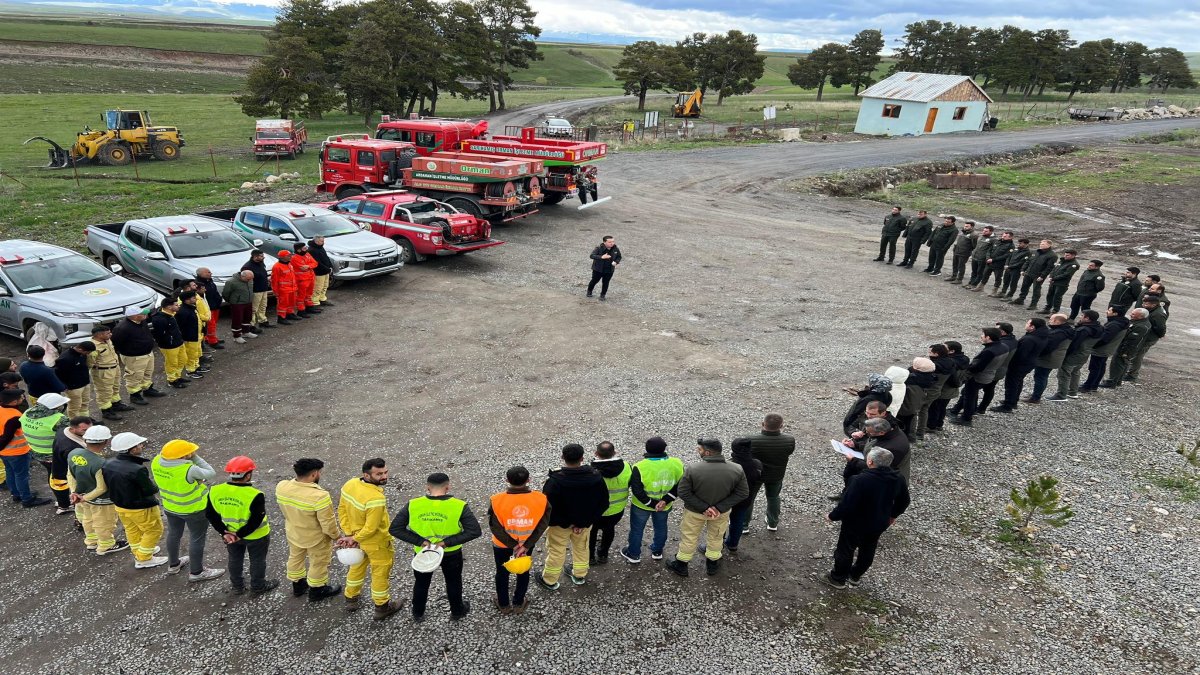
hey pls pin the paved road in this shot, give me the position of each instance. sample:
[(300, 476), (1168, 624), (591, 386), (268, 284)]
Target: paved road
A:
[(531, 114)]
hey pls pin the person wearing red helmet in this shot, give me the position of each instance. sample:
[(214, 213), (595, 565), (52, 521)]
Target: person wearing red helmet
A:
[(238, 512), (283, 283)]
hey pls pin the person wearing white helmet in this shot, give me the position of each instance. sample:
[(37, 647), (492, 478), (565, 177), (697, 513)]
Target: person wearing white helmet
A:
[(40, 423), (135, 497), (89, 493)]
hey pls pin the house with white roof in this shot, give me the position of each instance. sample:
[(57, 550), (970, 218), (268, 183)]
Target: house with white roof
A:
[(911, 104)]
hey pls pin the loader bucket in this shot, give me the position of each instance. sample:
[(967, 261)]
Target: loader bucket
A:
[(59, 158)]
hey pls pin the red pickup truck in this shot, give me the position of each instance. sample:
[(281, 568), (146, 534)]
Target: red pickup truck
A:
[(421, 226)]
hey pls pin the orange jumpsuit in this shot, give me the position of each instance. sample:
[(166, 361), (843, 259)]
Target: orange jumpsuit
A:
[(283, 284), (304, 265)]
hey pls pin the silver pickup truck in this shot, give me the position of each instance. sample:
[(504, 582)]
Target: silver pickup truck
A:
[(165, 252), (67, 291), (355, 254)]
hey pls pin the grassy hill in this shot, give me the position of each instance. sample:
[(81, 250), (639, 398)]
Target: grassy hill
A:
[(108, 31)]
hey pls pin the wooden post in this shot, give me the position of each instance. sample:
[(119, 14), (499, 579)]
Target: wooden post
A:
[(75, 168), (212, 159), (136, 174), (818, 123), (277, 171)]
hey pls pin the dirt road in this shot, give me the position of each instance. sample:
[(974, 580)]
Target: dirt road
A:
[(531, 115), (734, 299)]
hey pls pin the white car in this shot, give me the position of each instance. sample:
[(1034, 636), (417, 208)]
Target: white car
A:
[(557, 126)]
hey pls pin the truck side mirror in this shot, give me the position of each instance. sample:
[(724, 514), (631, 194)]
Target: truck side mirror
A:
[(154, 255), (287, 236), (3, 292)]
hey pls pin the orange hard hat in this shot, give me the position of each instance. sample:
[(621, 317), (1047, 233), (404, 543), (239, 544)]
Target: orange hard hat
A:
[(240, 465), (283, 254)]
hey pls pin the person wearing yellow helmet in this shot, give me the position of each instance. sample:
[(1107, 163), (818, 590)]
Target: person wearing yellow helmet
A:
[(517, 518), (182, 476)]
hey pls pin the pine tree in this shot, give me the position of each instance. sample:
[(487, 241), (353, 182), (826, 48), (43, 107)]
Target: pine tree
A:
[(1039, 502)]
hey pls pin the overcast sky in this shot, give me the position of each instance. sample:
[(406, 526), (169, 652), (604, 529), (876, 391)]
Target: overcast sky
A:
[(805, 24)]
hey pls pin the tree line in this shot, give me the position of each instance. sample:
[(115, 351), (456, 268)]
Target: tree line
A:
[(728, 64), (389, 55)]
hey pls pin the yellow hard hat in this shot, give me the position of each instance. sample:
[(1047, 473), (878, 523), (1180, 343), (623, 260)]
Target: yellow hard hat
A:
[(519, 565), (178, 448)]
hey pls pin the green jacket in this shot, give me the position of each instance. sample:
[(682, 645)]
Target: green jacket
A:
[(1040, 263), (773, 449), (965, 243), (1018, 258), (1158, 325), (238, 292), (1091, 282), (893, 225), (942, 237), (1124, 292), (919, 230), (1063, 271), (983, 247), (1135, 338)]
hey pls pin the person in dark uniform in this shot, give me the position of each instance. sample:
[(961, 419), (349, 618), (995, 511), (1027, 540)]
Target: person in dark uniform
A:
[(939, 242), (1037, 268), (915, 236), (605, 259), (893, 225), (997, 259), (964, 243), (1091, 282), (1012, 270), (1125, 291), (1060, 278)]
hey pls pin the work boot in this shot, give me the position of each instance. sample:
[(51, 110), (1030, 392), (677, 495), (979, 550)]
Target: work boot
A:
[(139, 399), (712, 567), (326, 303), (352, 604), (153, 393), (294, 317), (466, 609), (284, 321), (678, 567), (178, 384), (218, 345), (385, 610), (266, 324), (121, 406), (319, 593), (109, 414), (299, 588), (313, 310), (267, 587)]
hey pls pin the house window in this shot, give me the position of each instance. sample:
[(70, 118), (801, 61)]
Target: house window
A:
[(960, 113), (890, 110)]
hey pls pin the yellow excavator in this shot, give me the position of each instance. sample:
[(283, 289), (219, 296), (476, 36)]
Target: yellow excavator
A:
[(127, 133), (687, 105)]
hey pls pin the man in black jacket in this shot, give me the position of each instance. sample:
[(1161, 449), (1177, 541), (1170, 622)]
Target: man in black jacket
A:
[(212, 295), (1152, 303), (997, 259), (956, 370), (1034, 275), (893, 225), (188, 321), (1105, 347), (1012, 270), (1135, 337), (915, 236), (1024, 358), (169, 339), (1091, 282), (988, 391), (871, 503), (323, 272), (773, 448), (1053, 353), (578, 497), (879, 434), (1125, 291), (1060, 278), (72, 368), (1087, 333), (133, 493), (605, 259), (616, 474), (981, 371), (135, 345), (940, 241), (262, 286)]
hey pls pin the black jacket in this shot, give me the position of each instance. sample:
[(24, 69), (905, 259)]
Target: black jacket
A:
[(577, 496), (1000, 252), (72, 368), (1110, 339), (958, 374), (324, 264), (1029, 347), (188, 322), (605, 266), (1040, 263), (1125, 292), (772, 449), (919, 230), (468, 526), (1054, 350), (1091, 282), (212, 294), (859, 409), (262, 282), (871, 500), (133, 339), (165, 330), (894, 441), (1017, 259), (128, 481), (984, 366)]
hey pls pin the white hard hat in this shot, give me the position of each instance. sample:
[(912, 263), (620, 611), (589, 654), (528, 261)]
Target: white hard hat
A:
[(126, 440), (97, 434), (350, 556), (53, 400), (428, 559)]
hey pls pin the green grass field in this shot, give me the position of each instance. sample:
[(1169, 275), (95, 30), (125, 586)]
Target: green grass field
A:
[(25, 78), (572, 66), (191, 38)]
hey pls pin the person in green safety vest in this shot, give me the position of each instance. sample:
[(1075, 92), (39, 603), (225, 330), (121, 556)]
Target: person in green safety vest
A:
[(41, 422), (616, 473), (238, 512), (652, 487), (437, 519), (182, 477)]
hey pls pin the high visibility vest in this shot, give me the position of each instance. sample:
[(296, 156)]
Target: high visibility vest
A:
[(519, 513), (658, 477), (618, 491), (232, 503), (17, 445), (39, 433), (179, 495), (435, 519)]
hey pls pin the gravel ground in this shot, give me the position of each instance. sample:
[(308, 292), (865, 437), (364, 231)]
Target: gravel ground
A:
[(734, 300)]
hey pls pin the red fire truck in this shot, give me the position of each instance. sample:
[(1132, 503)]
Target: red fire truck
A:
[(569, 163), (279, 138)]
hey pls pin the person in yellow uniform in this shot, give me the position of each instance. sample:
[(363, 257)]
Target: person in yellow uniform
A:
[(311, 528), (93, 507), (362, 513), (238, 512), (135, 496), (438, 519), (106, 373)]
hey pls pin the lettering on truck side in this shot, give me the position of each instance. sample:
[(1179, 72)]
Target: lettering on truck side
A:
[(530, 152)]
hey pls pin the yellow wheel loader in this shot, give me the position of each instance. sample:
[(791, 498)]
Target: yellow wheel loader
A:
[(127, 133), (687, 105)]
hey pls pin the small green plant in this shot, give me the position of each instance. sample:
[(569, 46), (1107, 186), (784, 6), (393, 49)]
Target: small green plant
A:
[(1038, 504), (1192, 455)]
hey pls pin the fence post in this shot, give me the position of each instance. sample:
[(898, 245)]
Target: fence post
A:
[(136, 174), (75, 169), (213, 160)]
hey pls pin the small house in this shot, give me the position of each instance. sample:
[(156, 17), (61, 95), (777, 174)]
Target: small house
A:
[(911, 104)]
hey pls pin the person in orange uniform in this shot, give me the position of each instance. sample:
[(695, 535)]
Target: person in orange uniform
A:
[(517, 518), (283, 284), (304, 265)]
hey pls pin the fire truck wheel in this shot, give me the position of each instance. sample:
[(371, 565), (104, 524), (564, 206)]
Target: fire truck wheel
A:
[(466, 206), (407, 252)]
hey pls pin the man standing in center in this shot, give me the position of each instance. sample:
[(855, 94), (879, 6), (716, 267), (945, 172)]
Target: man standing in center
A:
[(322, 273), (964, 243), (1037, 267), (940, 241), (165, 329), (133, 493), (239, 294), (709, 490), (915, 236), (616, 473), (135, 344), (191, 328), (1060, 278), (106, 374), (1091, 282), (1012, 270), (238, 512), (605, 259), (362, 513), (893, 226), (283, 284), (578, 496), (996, 260), (652, 486), (89, 493), (262, 285), (311, 529), (1125, 291), (979, 257), (773, 448), (873, 500), (182, 476), (517, 518), (303, 266)]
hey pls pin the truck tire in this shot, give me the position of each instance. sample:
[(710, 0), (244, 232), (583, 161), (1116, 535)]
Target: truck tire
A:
[(552, 198), (115, 154), (408, 253), (466, 205), (348, 191), (166, 150), (110, 260)]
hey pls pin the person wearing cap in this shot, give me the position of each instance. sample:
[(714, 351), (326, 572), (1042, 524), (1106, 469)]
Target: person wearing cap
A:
[(517, 518), (1125, 291), (238, 512), (303, 266), (362, 513), (182, 477), (191, 328), (773, 448), (93, 507), (40, 423), (1091, 282), (578, 497), (39, 378), (135, 344), (1059, 278), (134, 496), (652, 485), (14, 450), (72, 368), (1157, 316), (167, 335), (261, 288), (210, 294), (709, 489), (311, 528), (873, 500), (104, 366), (283, 283), (322, 273), (67, 439), (239, 296), (437, 519), (616, 473)]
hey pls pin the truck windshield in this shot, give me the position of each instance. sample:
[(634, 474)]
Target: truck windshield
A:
[(273, 135), (204, 244), (324, 226), (55, 273)]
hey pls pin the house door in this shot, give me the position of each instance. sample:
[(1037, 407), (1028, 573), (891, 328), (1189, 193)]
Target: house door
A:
[(930, 119)]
